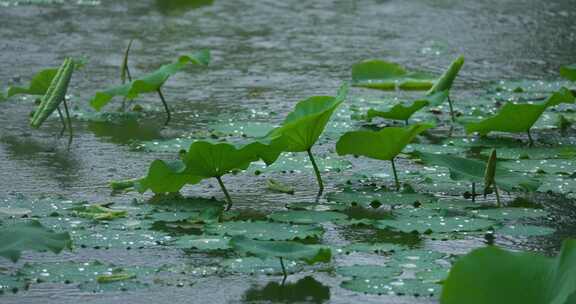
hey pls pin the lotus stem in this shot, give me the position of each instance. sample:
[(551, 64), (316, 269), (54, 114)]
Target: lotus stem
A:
[(62, 121), (283, 271), (406, 122), (473, 192), (70, 131), (530, 140), (316, 171), (451, 110), (124, 69), (395, 175), (497, 196), (166, 108), (226, 194)]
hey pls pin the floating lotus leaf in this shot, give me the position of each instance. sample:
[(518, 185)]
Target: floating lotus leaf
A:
[(306, 217), (368, 271), (266, 230), (31, 235), (255, 265), (311, 254), (202, 242), (402, 287)]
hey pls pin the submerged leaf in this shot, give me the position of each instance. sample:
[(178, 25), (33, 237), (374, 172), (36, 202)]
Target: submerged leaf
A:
[(31, 236), (492, 275), (383, 145), (384, 75), (150, 82)]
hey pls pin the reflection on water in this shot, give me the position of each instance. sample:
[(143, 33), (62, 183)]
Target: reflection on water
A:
[(126, 132), (177, 7), (305, 290), (61, 162)]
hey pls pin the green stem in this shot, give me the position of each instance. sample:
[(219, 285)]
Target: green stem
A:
[(451, 110), (228, 198), (406, 122), (69, 122), (395, 175), (317, 172), (283, 270), (62, 121), (497, 196), (166, 108), (473, 192)]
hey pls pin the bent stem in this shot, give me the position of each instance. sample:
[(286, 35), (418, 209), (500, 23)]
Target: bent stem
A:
[(166, 108), (395, 175), (497, 195), (317, 172), (62, 121), (451, 110), (228, 199), (283, 270)]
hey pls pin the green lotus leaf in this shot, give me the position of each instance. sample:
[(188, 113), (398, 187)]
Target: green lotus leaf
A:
[(568, 72), (436, 223), (311, 254), (98, 212), (384, 75), (504, 214), (31, 235), (383, 145), (518, 118), (473, 171), (202, 242), (524, 231), (150, 82), (444, 83), (55, 94), (166, 177), (386, 286), (368, 198), (303, 126), (256, 265), (38, 84), (266, 231), (368, 271), (372, 248), (204, 160), (493, 275), (306, 217), (399, 111)]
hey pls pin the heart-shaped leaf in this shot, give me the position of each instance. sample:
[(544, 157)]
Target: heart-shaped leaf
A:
[(399, 111), (383, 145), (38, 84), (150, 82), (569, 72), (518, 118)]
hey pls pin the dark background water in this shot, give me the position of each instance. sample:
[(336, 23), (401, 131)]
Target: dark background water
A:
[(267, 55)]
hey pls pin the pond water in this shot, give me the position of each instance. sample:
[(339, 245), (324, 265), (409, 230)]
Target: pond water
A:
[(266, 56)]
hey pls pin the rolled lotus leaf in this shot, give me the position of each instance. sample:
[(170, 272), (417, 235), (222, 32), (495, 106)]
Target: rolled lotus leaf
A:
[(55, 94)]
